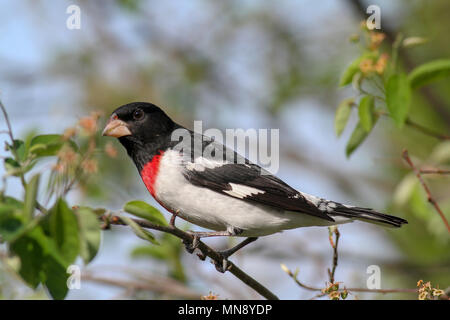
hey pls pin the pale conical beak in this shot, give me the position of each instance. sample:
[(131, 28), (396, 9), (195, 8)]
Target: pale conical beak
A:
[(116, 128)]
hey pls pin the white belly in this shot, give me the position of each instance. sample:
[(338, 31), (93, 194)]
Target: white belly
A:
[(212, 210)]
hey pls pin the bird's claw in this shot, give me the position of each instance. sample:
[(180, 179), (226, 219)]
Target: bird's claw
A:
[(195, 242), (223, 267), (201, 256), (191, 246)]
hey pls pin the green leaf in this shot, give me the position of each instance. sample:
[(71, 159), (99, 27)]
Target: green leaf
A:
[(170, 250), (40, 262), (357, 81), (342, 114), (348, 74), (19, 146), (18, 149), (366, 112), (144, 210), (440, 154), (64, 230), (157, 252), (13, 202), (358, 136), (89, 234), (30, 250), (12, 167), (49, 145), (56, 277), (419, 204), (30, 197), (398, 98), (353, 69), (413, 41), (11, 221), (429, 72), (140, 232), (404, 189)]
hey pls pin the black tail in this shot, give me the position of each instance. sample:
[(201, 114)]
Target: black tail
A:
[(368, 215)]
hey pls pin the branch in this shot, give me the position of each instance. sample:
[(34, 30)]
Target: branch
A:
[(311, 288), (427, 131), (14, 152), (8, 123), (334, 245), (434, 171), (415, 125), (11, 136), (205, 249), (425, 187), (333, 287)]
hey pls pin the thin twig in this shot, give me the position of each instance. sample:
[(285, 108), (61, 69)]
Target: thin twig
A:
[(421, 128), (11, 136), (426, 130), (311, 288), (425, 187), (415, 125), (13, 150), (304, 286), (334, 245), (5, 114), (331, 274), (205, 249), (434, 171)]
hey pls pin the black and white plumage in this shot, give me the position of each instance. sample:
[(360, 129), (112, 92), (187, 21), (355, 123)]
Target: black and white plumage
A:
[(218, 194)]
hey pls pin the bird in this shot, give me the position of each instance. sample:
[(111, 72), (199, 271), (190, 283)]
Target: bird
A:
[(220, 190)]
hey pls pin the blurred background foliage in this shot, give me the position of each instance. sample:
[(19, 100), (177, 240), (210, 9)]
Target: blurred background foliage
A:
[(249, 64)]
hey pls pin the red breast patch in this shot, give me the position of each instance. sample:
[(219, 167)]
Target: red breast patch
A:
[(150, 171)]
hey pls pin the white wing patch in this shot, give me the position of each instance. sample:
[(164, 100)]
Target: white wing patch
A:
[(331, 206), (240, 191), (201, 163), (321, 204), (315, 200)]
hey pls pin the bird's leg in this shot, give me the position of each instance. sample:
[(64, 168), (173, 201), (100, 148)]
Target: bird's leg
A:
[(198, 235), (172, 219), (190, 247), (227, 253)]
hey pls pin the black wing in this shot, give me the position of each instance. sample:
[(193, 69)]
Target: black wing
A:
[(274, 192)]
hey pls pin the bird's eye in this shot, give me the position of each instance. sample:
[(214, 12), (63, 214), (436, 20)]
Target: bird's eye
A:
[(138, 114)]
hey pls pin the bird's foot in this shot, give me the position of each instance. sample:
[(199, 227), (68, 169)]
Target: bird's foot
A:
[(223, 265), (191, 245), (196, 236), (201, 256)]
